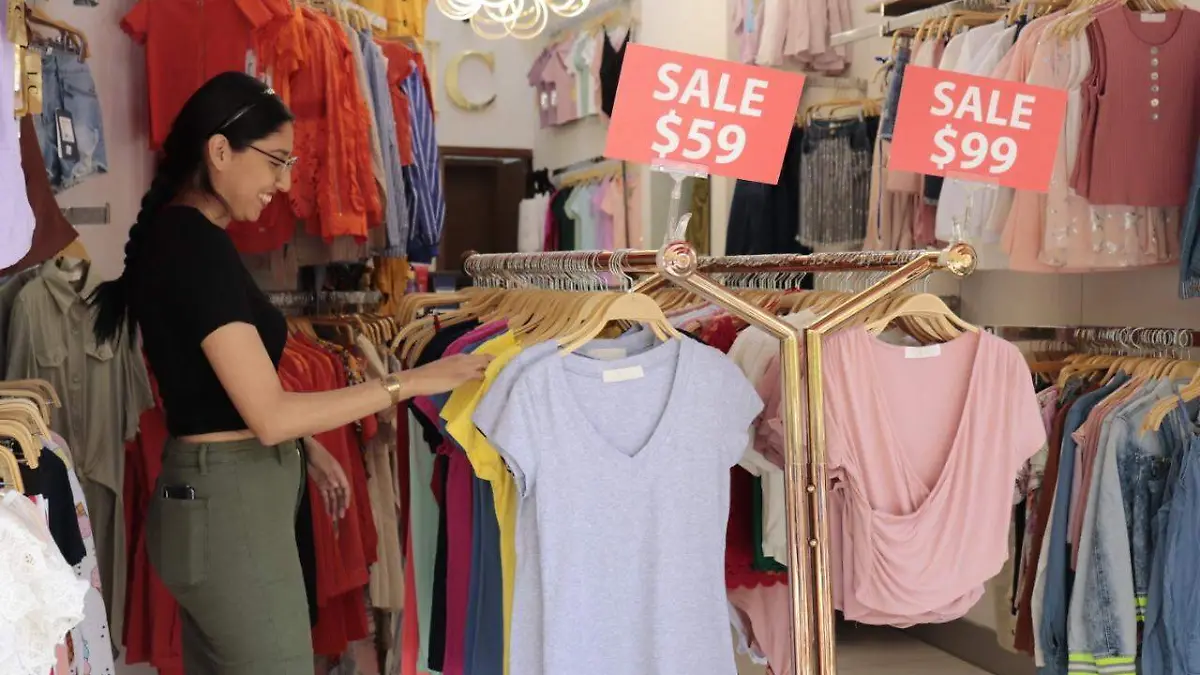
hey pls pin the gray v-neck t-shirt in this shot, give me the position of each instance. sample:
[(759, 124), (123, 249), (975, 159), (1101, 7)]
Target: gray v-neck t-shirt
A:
[(626, 466)]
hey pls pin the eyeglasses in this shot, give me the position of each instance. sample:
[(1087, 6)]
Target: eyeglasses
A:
[(282, 166)]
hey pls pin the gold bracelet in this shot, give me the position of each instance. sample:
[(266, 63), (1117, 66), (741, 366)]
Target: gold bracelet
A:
[(391, 383)]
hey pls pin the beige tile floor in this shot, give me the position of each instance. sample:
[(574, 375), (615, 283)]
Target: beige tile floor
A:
[(869, 649)]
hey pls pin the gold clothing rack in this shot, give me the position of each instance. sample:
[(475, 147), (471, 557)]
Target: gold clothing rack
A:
[(809, 579)]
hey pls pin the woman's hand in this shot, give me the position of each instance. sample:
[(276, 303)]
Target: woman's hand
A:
[(330, 478), (444, 374)]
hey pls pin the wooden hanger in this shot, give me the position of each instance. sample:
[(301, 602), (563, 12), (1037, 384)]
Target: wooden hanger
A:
[(607, 307), (920, 304), (589, 175), (40, 404), (412, 338), (1159, 412), (10, 470), (867, 106), (31, 449), (26, 412), (41, 388), (35, 14), (76, 250)]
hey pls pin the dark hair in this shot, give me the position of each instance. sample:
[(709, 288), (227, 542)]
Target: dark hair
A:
[(235, 105)]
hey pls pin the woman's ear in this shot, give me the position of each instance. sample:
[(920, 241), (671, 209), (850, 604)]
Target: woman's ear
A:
[(220, 153)]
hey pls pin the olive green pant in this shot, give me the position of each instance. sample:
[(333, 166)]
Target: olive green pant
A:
[(229, 556)]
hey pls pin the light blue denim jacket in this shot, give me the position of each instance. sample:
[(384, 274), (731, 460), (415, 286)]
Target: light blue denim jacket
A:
[(1052, 625), (1104, 606)]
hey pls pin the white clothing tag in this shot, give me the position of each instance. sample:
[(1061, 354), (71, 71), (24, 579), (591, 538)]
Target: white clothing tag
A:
[(251, 63), (608, 353), (1151, 17), (624, 374), (926, 352)]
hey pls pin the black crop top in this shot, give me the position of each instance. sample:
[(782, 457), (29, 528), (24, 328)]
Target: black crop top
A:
[(187, 281)]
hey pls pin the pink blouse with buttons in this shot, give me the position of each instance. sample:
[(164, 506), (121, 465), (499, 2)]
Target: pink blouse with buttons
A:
[(1146, 122)]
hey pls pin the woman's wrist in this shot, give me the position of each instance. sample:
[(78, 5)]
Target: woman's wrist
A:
[(393, 384)]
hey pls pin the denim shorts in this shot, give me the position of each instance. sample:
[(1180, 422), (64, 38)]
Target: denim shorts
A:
[(67, 85)]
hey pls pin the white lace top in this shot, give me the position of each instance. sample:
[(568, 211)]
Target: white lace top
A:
[(40, 598)]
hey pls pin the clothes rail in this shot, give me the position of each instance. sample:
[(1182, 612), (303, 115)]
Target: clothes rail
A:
[(289, 299), (809, 578), (1128, 337), (581, 164), (499, 266)]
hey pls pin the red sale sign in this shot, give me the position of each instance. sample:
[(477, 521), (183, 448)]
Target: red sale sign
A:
[(977, 128), (730, 118)]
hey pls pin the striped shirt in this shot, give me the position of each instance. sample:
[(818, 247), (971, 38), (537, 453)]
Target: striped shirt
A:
[(428, 205), (396, 215)]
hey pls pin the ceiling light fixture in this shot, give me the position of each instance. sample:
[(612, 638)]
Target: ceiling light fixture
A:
[(521, 19)]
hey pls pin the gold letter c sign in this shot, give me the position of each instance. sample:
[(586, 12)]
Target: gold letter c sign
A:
[(454, 92)]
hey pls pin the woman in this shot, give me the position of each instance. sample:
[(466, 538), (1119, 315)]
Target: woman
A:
[(220, 530)]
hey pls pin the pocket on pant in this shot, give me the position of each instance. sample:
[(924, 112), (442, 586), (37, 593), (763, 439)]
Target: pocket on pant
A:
[(182, 542)]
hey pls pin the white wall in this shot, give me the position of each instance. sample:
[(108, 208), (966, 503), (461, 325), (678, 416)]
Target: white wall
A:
[(511, 120)]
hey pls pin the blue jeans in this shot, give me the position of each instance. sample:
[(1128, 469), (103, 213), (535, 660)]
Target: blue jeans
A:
[(67, 85), (892, 100), (1189, 254)]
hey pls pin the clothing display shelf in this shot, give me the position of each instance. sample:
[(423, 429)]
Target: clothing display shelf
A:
[(809, 576)]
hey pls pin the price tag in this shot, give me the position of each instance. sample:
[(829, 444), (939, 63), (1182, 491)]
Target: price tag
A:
[(977, 128), (728, 117)]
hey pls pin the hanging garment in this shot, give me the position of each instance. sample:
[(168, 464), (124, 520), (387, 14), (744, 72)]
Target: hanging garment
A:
[(52, 233), (919, 539), (661, 468), (1152, 71), (70, 128), (41, 600), (104, 389), (89, 646), (835, 182)]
